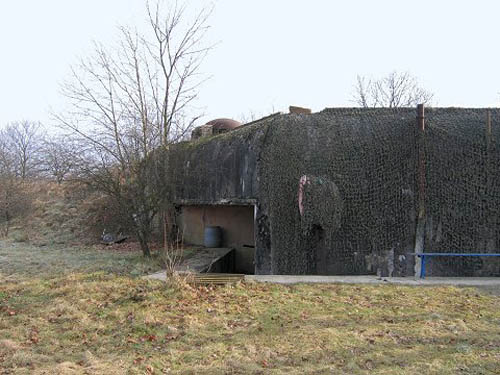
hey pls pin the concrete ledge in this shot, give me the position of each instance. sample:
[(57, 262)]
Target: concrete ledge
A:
[(456, 281), (491, 283)]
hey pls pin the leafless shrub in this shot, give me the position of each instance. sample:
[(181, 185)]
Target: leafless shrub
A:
[(172, 255), (15, 202), (102, 213)]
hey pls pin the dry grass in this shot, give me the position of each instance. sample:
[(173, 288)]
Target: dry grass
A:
[(52, 218), (89, 322), (22, 260)]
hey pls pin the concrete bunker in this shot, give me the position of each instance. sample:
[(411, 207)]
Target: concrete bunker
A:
[(339, 192), (236, 222)]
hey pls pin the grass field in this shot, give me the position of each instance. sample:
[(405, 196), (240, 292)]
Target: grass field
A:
[(85, 311)]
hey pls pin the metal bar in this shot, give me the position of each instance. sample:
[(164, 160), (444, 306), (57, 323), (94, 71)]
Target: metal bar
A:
[(422, 269), (458, 254), (423, 258)]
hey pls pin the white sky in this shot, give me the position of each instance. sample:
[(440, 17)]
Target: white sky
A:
[(271, 53)]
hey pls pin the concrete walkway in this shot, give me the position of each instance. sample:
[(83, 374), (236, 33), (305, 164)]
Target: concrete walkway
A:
[(490, 282), (456, 281)]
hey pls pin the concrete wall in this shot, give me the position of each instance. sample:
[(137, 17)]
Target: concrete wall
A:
[(237, 223)]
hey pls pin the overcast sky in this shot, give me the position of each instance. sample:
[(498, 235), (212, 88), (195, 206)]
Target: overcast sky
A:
[(271, 54)]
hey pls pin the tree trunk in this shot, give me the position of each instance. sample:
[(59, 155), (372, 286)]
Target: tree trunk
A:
[(142, 227), (144, 244)]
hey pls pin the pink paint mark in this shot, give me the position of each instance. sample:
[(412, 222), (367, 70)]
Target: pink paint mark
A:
[(302, 182)]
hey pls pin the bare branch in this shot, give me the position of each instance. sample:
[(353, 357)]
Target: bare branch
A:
[(392, 91), (132, 98)]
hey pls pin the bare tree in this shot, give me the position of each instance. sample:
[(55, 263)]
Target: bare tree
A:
[(7, 160), (128, 100), (14, 200), (59, 157), (23, 140), (392, 91), (7, 176)]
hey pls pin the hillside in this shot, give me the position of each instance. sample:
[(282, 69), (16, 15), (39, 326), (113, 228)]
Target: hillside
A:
[(54, 216)]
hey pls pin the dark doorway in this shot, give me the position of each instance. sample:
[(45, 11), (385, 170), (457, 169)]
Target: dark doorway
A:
[(237, 223), (317, 261)]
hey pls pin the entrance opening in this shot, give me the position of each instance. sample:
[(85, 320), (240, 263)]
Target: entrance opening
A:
[(237, 224)]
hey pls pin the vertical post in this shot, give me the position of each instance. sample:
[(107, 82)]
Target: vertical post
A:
[(421, 159), (488, 128), (422, 271), (420, 230), (489, 164)]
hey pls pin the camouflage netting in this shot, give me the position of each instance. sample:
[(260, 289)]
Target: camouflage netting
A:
[(336, 192), (463, 190), (369, 156)]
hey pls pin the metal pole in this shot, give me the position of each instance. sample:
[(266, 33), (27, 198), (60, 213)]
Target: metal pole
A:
[(420, 230), (422, 271), (488, 128), (421, 158)]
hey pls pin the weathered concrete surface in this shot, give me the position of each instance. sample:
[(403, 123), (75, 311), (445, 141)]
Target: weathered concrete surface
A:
[(491, 282), (201, 260), (160, 275)]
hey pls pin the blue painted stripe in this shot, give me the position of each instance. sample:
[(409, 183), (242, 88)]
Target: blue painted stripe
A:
[(458, 254)]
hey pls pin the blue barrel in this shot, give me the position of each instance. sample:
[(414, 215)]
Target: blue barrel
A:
[(212, 236)]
